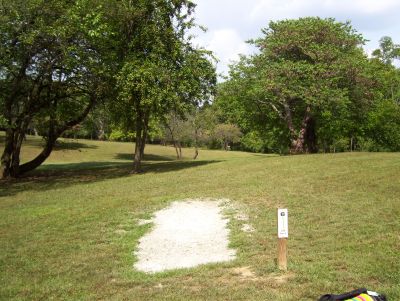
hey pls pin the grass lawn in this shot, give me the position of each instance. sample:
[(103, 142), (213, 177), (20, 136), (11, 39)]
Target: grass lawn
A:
[(69, 229)]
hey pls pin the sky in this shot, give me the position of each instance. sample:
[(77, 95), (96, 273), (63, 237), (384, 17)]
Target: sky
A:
[(230, 23)]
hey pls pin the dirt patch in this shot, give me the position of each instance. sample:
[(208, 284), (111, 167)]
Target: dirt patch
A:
[(185, 234), (244, 273)]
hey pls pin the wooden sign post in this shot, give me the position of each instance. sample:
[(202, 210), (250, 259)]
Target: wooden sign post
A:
[(283, 234)]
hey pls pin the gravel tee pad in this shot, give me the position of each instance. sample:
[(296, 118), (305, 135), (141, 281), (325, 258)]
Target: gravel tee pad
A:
[(185, 234)]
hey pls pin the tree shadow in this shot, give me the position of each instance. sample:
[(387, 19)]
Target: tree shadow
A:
[(147, 157), (267, 155), (50, 176), (59, 145), (71, 145)]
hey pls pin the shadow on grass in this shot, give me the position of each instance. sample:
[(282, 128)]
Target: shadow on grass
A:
[(147, 157), (268, 155), (71, 145), (50, 176), (60, 145)]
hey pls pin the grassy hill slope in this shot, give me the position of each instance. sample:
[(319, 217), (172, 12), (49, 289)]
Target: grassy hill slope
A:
[(69, 229)]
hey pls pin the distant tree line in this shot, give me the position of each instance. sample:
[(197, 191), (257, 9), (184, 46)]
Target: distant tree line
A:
[(310, 88), (128, 71)]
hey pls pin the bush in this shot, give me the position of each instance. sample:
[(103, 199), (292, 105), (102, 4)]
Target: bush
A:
[(119, 135)]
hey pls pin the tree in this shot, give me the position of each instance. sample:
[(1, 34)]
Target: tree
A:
[(312, 67), (60, 58), (194, 128), (176, 129), (160, 70), (239, 101), (384, 118), (387, 51), (384, 126), (52, 70), (203, 120), (227, 134), (389, 74), (308, 74)]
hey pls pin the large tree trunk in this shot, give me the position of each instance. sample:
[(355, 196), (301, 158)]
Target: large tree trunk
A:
[(39, 159), (311, 137), (287, 116), (142, 124), (298, 143), (305, 140), (16, 88), (7, 154), (137, 160), (196, 150), (19, 136), (145, 132), (138, 145), (180, 149), (15, 159), (52, 135), (11, 154)]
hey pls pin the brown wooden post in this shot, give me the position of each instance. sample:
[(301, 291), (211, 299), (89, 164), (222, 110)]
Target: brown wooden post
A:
[(282, 254), (283, 235)]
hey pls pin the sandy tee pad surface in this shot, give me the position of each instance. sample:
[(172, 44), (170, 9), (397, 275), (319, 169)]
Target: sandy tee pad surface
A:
[(185, 234)]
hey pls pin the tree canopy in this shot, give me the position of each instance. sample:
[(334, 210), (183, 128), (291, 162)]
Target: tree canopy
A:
[(132, 68), (160, 71), (61, 58), (309, 87), (53, 70)]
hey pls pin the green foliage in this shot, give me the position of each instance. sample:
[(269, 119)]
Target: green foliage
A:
[(384, 125), (120, 135), (60, 58), (388, 51), (310, 87), (227, 134), (253, 142), (55, 65), (311, 69), (3, 122), (155, 130), (159, 70)]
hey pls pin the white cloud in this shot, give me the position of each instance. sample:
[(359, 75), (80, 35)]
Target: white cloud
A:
[(283, 9), (226, 44), (232, 22), (367, 6)]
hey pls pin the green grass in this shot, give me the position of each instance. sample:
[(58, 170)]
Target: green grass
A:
[(61, 238)]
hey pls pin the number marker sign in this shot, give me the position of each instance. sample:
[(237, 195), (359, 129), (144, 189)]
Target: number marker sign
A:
[(283, 231)]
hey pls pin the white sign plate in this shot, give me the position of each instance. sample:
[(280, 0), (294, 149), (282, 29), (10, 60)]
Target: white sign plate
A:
[(283, 231)]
